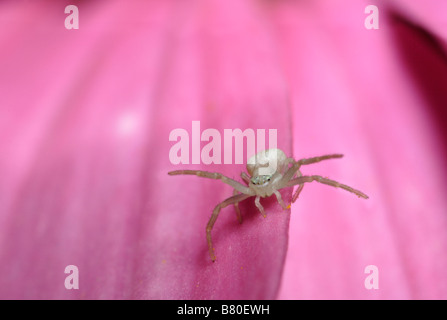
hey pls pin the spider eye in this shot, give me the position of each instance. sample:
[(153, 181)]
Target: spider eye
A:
[(260, 180)]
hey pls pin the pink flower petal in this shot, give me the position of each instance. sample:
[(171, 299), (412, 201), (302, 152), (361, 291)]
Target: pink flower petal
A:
[(373, 95), (84, 126), (85, 139)]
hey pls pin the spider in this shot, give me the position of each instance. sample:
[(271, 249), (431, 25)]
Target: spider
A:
[(285, 174)]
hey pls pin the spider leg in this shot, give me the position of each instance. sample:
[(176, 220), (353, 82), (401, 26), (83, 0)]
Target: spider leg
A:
[(300, 187), (320, 158), (236, 207), (279, 198), (245, 177), (297, 192), (212, 221), (215, 175), (320, 179), (294, 168), (259, 206)]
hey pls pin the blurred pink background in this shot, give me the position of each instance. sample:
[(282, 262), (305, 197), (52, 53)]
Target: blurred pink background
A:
[(85, 117)]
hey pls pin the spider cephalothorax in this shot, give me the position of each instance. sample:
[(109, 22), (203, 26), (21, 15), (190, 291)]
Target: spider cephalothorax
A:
[(260, 180), (270, 171)]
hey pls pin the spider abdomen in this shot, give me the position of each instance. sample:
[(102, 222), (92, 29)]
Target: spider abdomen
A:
[(267, 162)]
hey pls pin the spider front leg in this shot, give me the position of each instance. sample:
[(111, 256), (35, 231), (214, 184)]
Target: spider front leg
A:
[(212, 221), (295, 167), (297, 192), (245, 177), (279, 198), (259, 206), (332, 183), (300, 187), (217, 176), (293, 172), (236, 207)]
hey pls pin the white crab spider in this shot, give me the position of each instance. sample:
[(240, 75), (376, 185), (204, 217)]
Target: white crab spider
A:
[(287, 174)]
